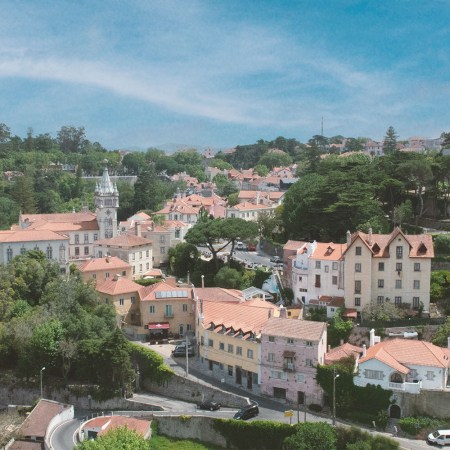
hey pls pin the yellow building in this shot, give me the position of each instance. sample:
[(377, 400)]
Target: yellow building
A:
[(229, 334), (100, 269)]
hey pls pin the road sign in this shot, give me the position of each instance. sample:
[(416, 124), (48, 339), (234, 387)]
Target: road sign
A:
[(289, 413)]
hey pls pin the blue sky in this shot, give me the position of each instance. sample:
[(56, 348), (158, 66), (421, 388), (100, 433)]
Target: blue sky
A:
[(225, 72)]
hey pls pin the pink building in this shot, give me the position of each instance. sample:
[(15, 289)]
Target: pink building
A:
[(290, 352)]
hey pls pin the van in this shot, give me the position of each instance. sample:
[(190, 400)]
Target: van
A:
[(247, 412), (439, 437)]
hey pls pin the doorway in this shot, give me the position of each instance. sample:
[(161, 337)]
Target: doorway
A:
[(395, 412)]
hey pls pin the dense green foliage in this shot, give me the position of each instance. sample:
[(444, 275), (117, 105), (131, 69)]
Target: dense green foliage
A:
[(312, 436), (440, 289), (413, 425), (353, 438), (120, 438), (339, 329), (441, 336)]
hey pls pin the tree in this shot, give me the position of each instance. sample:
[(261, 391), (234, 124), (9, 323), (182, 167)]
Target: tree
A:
[(228, 278), (148, 190), (120, 438), (274, 159), (384, 312), (339, 329), (5, 133), (390, 141), (312, 436), (71, 139), (261, 170), (183, 258), (224, 186), (442, 334), (402, 213), (23, 194)]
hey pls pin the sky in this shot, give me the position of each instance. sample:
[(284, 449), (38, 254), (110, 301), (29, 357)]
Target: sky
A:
[(219, 73)]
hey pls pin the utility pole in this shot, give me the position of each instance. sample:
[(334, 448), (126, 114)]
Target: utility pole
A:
[(334, 394)]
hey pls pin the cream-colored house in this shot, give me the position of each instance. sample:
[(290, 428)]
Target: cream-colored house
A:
[(100, 269), (387, 267), (229, 337)]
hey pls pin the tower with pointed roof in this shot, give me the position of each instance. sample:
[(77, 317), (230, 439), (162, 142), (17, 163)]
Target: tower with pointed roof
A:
[(106, 204)]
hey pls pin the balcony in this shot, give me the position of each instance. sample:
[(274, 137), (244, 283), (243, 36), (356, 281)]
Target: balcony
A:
[(412, 388)]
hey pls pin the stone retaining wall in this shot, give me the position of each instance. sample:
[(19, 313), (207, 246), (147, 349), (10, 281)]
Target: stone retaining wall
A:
[(427, 403)]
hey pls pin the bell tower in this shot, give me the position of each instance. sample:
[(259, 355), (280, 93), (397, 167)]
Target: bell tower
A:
[(106, 204)]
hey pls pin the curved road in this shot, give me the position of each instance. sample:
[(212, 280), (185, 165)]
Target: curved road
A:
[(62, 437)]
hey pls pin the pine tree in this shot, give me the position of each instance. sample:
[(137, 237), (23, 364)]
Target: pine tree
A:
[(390, 141)]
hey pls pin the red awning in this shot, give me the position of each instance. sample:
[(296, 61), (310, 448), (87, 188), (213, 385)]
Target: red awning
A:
[(158, 326)]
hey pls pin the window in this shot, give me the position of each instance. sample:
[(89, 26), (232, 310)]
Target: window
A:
[(23, 250), (77, 239), (290, 341), (381, 283), (357, 286), (133, 257), (230, 348), (162, 239), (168, 311), (95, 237), (49, 252), (399, 252), (121, 301), (300, 377), (86, 238), (77, 251), (380, 299), (278, 374), (373, 374), (334, 279), (177, 233), (147, 266), (210, 343), (188, 327), (221, 346), (381, 266), (317, 284), (335, 266), (358, 251), (309, 362), (398, 284), (300, 279), (271, 338), (357, 301), (309, 343), (357, 267), (416, 302), (327, 269), (239, 351), (140, 255), (416, 267), (430, 375), (94, 276), (317, 264), (250, 354), (185, 307), (398, 267), (416, 284), (162, 250), (9, 254), (86, 250), (230, 371), (152, 309), (271, 357), (133, 299), (147, 253), (106, 301), (106, 274), (398, 300)]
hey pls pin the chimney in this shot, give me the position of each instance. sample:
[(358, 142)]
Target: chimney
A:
[(201, 310), (137, 229), (188, 278), (107, 258), (329, 348), (364, 351), (116, 277), (341, 342), (349, 237), (203, 281), (372, 338), (370, 236), (270, 313), (283, 312)]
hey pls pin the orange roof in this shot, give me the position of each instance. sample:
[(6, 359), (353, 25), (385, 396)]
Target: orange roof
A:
[(31, 236), (245, 316), (328, 251), (150, 293), (399, 352), (141, 426), (117, 285), (343, 351), (219, 294), (293, 245), (298, 329), (247, 205), (108, 263), (125, 240), (421, 245), (84, 220)]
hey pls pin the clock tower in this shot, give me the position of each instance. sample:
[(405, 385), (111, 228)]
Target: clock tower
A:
[(106, 204)]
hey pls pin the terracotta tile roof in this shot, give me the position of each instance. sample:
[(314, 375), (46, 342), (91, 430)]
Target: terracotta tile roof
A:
[(421, 245), (343, 351), (37, 422), (249, 206), (117, 285), (239, 316), (298, 329), (293, 245), (125, 240), (108, 263), (27, 445), (328, 300), (141, 426), (81, 221), (219, 294), (328, 251), (31, 236), (399, 352)]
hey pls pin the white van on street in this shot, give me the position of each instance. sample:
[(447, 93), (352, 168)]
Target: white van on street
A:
[(439, 437)]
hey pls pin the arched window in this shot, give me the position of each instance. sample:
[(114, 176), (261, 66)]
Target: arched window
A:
[(9, 254), (49, 252), (62, 252)]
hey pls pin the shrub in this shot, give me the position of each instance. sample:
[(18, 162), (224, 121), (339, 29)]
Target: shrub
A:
[(413, 425), (351, 438)]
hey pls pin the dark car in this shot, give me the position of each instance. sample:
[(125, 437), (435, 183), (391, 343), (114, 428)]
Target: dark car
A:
[(181, 351), (247, 412), (275, 259), (209, 405)]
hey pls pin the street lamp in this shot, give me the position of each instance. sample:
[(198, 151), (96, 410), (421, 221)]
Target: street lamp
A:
[(42, 396), (334, 394)]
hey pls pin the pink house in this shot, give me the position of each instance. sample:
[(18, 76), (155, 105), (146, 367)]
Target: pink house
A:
[(290, 352)]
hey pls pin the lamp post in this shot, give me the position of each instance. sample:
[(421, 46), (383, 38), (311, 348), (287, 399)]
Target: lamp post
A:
[(42, 396), (334, 394)]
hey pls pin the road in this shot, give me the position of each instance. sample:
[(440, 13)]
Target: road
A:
[(62, 437)]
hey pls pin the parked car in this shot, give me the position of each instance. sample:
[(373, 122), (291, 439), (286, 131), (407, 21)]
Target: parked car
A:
[(247, 412), (275, 259), (180, 350), (439, 437), (209, 405)]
